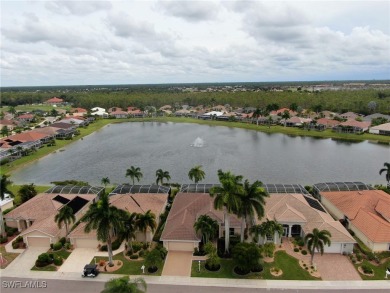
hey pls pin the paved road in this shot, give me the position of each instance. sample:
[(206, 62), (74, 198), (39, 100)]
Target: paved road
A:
[(94, 285)]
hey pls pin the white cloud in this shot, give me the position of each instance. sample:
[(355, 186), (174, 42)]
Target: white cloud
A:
[(69, 7), (192, 11)]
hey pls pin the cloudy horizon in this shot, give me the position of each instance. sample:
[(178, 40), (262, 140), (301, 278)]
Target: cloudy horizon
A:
[(47, 43)]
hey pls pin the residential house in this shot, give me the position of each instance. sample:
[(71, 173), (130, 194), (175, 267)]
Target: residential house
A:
[(349, 115), (26, 118), (55, 101), (76, 121), (35, 218), (133, 199), (376, 115), (10, 124), (136, 113), (365, 211), (352, 126), (281, 111), (383, 129), (77, 112), (119, 114), (101, 112), (6, 203), (296, 121), (325, 123), (65, 130)]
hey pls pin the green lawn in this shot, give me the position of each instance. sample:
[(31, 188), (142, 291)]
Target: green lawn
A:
[(15, 188), (63, 253), (379, 271), (8, 256), (132, 267), (288, 264)]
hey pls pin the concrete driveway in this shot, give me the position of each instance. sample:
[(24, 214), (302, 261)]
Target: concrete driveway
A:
[(334, 267), (178, 263), (78, 259), (25, 261)]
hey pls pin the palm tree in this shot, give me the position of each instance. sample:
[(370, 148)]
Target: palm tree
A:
[(207, 227), (267, 228), (145, 221), (105, 181), (226, 198), (129, 229), (252, 203), (285, 116), (160, 174), (387, 173), (65, 216), (125, 285), (316, 240), (104, 218), (196, 174), (4, 182), (134, 172)]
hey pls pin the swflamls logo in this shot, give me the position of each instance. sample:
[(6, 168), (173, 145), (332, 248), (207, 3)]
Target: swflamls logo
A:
[(24, 284)]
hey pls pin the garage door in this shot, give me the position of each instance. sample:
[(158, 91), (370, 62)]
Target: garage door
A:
[(181, 246), (38, 241), (86, 243), (333, 248)]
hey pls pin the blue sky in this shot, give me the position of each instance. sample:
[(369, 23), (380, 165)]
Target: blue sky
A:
[(133, 42)]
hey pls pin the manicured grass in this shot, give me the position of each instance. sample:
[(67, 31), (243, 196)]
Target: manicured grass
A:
[(288, 264), (8, 256), (132, 267), (379, 271), (62, 253), (49, 268)]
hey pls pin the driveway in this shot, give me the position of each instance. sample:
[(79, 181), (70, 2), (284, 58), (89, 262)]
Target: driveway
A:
[(25, 261), (78, 259), (334, 267), (178, 263)]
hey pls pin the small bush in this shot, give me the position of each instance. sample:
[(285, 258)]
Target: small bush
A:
[(102, 262), (3, 239), (257, 268), (141, 253), (359, 257), (134, 256), (63, 241), (15, 245), (145, 246), (367, 269), (58, 261), (296, 249), (51, 245), (304, 252), (137, 246), (57, 246), (103, 248), (370, 256), (68, 245), (44, 257)]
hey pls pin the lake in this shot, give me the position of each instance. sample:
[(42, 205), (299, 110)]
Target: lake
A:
[(177, 147)]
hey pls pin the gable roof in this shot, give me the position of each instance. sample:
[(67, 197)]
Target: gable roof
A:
[(368, 210), (54, 100), (186, 208), (140, 202)]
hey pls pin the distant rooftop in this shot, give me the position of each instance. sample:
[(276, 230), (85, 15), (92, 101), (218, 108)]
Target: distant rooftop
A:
[(127, 188), (75, 189)]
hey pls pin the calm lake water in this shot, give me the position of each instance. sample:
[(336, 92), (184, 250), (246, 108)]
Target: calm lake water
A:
[(271, 158)]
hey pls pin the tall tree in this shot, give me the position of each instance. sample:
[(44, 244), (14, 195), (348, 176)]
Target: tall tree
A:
[(65, 216), (386, 170), (129, 228), (196, 174), (285, 116), (226, 198), (206, 226), (317, 240), (161, 175), (134, 173), (104, 219), (145, 221), (27, 192), (125, 285), (4, 131), (4, 183), (105, 181), (252, 203), (267, 228)]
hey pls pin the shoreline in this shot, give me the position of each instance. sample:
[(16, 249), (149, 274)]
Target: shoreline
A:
[(101, 123)]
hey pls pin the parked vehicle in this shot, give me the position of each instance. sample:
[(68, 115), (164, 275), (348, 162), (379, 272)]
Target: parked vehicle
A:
[(90, 271)]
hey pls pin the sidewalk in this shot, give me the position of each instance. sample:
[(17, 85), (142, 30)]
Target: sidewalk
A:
[(213, 282)]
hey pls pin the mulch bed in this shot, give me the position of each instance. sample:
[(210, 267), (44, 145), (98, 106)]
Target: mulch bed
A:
[(363, 273), (276, 274), (117, 265)]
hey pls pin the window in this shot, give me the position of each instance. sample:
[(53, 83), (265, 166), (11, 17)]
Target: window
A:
[(231, 231)]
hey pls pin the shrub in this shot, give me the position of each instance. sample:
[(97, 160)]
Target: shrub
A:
[(19, 239), (57, 246), (44, 257), (68, 245), (103, 248), (63, 241), (3, 239), (268, 249), (367, 269), (102, 262), (153, 259), (15, 245), (246, 256), (370, 256), (275, 269), (141, 253), (296, 249), (58, 261), (359, 257), (116, 244), (134, 256), (163, 251), (137, 246), (304, 252), (145, 246), (257, 268), (51, 245)]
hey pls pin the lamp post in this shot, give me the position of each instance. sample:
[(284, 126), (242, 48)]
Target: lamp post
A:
[(199, 266)]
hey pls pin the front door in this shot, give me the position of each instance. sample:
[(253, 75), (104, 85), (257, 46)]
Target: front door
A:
[(285, 231)]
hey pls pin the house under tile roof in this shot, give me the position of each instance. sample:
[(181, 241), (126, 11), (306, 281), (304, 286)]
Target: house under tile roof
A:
[(367, 210)]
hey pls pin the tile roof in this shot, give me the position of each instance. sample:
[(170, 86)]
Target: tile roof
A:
[(140, 202), (186, 208), (54, 100), (293, 208), (354, 123), (368, 210), (27, 136), (385, 126), (328, 122), (42, 209)]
